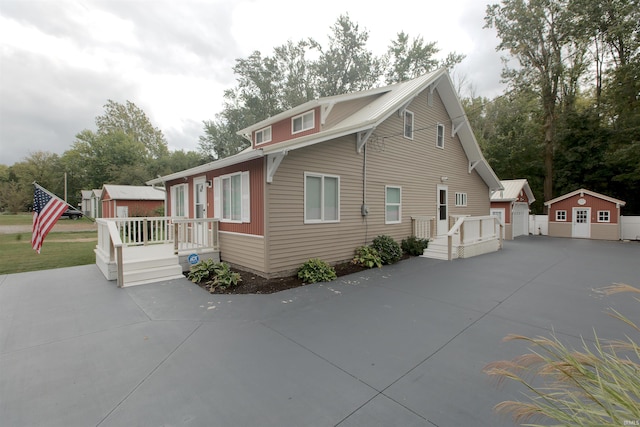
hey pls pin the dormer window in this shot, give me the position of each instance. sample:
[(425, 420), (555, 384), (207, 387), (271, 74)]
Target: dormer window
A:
[(303, 122), (263, 135)]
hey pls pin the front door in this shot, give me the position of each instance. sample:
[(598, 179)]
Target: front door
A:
[(581, 222), (442, 215), (199, 208)]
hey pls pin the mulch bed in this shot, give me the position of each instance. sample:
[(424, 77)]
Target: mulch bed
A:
[(253, 284)]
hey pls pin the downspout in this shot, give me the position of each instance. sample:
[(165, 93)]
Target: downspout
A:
[(364, 209)]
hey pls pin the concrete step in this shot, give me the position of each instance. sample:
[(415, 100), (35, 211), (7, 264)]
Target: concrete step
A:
[(138, 276)]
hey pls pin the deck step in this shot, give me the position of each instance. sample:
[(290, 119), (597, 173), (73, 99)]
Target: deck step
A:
[(439, 249), (132, 275)]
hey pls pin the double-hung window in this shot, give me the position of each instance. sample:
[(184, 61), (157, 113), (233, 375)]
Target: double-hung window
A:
[(303, 122), (231, 197), (408, 124), (321, 198), (561, 215), (393, 205), (440, 136), (263, 135)]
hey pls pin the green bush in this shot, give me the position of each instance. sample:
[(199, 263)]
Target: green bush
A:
[(414, 246), (316, 270), (367, 256), (214, 274), (201, 271), (389, 250)]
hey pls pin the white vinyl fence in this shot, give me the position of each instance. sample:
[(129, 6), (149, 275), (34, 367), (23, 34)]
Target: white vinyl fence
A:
[(539, 225)]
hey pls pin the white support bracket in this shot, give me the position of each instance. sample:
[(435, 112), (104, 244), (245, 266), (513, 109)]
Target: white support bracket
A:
[(472, 165), (273, 161), (404, 107), (362, 138), (324, 112), (456, 127), (432, 87)]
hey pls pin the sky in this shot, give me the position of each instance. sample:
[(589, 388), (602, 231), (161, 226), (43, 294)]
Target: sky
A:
[(61, 61)]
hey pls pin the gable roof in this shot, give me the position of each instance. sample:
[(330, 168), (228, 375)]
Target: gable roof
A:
[(511, 191), (385, 101), (582, 191), (133, 192)]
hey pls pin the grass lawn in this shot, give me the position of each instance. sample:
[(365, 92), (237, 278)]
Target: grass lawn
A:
[(60, 249)]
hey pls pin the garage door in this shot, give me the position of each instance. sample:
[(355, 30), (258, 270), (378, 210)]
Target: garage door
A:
[(520, 220)]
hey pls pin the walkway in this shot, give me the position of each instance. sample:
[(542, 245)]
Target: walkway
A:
[(400, 346)]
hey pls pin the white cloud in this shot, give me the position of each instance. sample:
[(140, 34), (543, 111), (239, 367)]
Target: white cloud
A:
[(61, 61)]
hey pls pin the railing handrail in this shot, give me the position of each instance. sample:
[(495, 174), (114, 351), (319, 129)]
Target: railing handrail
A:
[(458, 227)]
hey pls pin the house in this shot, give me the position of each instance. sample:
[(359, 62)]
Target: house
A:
[(511, 205), (328, 176), (585, 214), (131, 201)]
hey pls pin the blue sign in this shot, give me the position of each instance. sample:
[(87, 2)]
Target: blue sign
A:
[(193, 259)]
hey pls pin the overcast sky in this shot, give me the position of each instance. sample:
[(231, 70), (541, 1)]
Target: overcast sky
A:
[(60, 61)]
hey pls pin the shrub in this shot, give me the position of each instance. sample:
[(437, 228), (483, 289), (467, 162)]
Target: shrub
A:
[(367, 256), (389, 250), (201, 271), (414, 246), (316, 270), (589, 387), (214, 274)]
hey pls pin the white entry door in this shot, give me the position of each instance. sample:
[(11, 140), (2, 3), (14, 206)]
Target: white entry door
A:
[(442, 215), (520, 219), (581, 224), (199, 208)]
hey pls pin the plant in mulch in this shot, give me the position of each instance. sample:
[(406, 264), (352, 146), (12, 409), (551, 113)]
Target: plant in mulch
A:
[(216, 275), (368, 257), (414, 246), (596, 385), (389, 250), (316, 270)]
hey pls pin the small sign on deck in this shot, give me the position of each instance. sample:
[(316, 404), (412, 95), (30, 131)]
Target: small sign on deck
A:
[(194, 259)]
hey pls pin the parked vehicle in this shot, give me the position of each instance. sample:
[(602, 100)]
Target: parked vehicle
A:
[(72, 214)]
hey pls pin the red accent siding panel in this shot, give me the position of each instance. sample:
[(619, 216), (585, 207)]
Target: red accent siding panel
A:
[(507, 210), (281, 131)]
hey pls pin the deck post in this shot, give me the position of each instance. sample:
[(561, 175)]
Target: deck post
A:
[(119, 264)]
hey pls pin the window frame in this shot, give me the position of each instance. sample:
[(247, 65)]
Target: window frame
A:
[(388, 204), (312, 113), (245, 197), (405, 116), (184, 188), (262, 132), (561, 215), (461, 199), (322, 219), (601, 215), (440, 136)]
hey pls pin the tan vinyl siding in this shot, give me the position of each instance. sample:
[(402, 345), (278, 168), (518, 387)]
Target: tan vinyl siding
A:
[(415, 165), (605, 231), (243, 250), (559, 229)]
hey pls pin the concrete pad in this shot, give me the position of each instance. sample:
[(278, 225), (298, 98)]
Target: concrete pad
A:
[(376, 334), (78, 381), (384, 412), (46, 306), (242, 375)]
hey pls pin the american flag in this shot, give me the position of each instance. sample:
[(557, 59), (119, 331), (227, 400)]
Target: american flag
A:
[(47, 209)]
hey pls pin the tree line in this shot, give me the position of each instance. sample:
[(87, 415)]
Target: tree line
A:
[(569, 118)]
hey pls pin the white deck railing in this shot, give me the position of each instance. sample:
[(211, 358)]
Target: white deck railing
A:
[(423, 227), (469, 230), (185, 234)]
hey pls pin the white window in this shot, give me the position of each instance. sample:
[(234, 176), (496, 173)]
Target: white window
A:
[(321, 198), (393, 205), (263, 135), (604, 216), (461, 199), (179, 200), (408, 124), (303, 122), (440, 136), (231, 198), (561, 215)]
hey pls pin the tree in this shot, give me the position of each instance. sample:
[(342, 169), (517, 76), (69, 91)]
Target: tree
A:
[(346, 65), (537, 34), (132, 121)]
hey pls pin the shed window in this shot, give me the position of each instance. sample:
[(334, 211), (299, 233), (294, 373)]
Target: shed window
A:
[(561, 215), (604, 216)]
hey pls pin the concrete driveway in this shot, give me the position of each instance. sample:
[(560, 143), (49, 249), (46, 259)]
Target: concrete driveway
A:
[(401, 346)]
